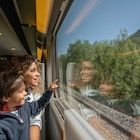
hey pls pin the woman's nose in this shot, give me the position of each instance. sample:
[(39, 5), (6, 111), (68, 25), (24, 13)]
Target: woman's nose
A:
[(83, 71), (38, 74)]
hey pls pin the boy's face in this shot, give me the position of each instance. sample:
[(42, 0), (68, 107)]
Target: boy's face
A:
[(18, 97)]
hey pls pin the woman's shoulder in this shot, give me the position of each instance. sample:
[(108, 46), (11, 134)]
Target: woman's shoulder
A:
[(33, 95)]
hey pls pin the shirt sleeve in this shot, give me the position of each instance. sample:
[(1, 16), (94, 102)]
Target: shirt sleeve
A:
[(33, 108), (35, 119)]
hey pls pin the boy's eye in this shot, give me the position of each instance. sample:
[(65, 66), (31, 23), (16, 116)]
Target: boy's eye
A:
[(21, 90)]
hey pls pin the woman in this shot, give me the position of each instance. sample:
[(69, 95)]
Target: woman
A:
[(86, 83), (28, 67)]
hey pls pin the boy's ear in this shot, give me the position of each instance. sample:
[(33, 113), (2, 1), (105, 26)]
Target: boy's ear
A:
[(5, 99)]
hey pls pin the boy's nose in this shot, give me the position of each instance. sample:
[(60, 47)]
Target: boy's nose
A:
[(25, 92)]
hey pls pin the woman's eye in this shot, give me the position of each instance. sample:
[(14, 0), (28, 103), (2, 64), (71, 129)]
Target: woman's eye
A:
[(33, 70)]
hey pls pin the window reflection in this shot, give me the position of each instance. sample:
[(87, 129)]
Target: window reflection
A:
[(98, 51)]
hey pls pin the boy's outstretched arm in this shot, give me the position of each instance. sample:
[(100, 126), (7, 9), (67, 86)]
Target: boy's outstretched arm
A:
[(53, 86)]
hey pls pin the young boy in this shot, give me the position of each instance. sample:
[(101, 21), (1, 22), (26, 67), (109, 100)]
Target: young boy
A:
[(15, 112)]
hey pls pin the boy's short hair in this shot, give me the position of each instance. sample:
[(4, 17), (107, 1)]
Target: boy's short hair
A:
[(9, 82)]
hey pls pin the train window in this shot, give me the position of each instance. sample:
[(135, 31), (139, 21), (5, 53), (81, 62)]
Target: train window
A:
[(98, 55)]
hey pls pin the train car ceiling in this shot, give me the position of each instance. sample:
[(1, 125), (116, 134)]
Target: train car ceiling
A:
[(20, 21), (43, 11)]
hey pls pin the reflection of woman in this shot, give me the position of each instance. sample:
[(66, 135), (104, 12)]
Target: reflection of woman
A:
[(28, 67), (87, 74), (87, 82)]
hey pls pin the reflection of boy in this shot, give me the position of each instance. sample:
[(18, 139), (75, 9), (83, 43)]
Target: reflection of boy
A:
[(106, 88), (131, 108)]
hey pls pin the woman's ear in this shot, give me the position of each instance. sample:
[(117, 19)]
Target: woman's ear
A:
[(5, 99)]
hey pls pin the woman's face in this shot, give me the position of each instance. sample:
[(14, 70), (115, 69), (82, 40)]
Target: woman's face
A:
[(87, 72), (32, 75)]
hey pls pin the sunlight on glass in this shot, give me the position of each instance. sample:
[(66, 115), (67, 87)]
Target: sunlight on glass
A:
[(98, 50)]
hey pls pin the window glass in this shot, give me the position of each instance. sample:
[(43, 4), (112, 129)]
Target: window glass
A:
[(98, 55)]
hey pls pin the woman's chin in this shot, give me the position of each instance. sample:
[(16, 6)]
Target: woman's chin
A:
[(36, 84)]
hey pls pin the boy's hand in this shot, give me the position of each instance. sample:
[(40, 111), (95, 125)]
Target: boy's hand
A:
[(53, 86)]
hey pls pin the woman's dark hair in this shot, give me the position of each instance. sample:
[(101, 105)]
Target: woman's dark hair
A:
[(21, 64)]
